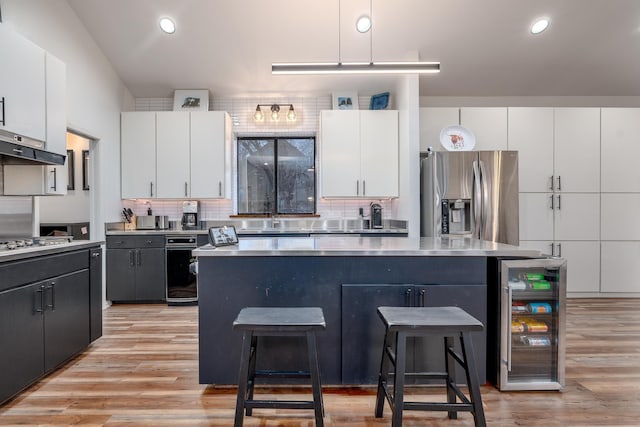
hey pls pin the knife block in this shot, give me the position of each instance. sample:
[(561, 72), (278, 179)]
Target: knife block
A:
[(131, 225)]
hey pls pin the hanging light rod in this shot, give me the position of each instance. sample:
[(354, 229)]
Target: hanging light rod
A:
[(355, 68)]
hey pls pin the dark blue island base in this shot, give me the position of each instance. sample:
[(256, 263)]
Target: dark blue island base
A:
[(348, 288)]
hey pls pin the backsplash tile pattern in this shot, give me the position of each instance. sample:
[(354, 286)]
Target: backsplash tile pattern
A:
[(241, 111)]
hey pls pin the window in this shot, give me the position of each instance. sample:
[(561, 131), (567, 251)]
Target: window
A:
[(276, 175)]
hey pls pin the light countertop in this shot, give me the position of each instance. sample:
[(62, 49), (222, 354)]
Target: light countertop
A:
[(36, 251), (364, 246)]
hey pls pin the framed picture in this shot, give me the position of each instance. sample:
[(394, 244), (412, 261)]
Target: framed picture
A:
[(191, 100), (70, 171), (379, 101), (345, 101), (85, 169), (223, 236)]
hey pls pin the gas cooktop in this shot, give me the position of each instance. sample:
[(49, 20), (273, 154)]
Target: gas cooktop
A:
[(11, 243)]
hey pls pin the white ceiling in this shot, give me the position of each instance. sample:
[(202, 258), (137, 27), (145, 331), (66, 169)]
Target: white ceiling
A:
[(592, 47)]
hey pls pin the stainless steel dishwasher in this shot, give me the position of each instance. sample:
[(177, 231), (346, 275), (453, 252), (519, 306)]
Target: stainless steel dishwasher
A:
[(182, 287)]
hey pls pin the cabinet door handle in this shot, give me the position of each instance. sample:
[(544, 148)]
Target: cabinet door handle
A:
[(37, 309), (553, 205), (357, 187), (151, 189), (220, 188), (138, 258), (408, 297), (559, 184), (559, 202), (552, 249), (185, 189), (132, 260), (3, 117), (560, 250), (551, 182), (422, 293), (55, 183), (52, 288), (364, 187)]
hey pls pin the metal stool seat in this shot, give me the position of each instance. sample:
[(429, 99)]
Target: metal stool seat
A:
[(277, 321), (449, 322)]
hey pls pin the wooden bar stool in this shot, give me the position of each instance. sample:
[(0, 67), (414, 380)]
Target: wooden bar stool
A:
[(449, 322), (277, 321)]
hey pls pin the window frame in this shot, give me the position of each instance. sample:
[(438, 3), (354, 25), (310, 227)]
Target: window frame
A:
[(275, 139)]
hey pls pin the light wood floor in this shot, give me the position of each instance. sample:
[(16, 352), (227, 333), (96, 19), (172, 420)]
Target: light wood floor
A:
[(144, 372)]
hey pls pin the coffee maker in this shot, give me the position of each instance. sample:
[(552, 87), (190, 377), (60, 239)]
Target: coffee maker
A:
[(190, 215), (376, 215)]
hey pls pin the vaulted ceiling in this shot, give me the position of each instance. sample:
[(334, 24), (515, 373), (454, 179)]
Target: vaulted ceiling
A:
[(591, 48)]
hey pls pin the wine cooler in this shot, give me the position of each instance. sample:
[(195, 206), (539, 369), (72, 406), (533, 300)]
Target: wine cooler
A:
[(532, 324)]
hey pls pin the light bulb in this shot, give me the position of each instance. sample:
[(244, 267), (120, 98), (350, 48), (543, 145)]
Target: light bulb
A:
[(539, 26), (167, 25), (275, 112), (291, 114), (258, 116)]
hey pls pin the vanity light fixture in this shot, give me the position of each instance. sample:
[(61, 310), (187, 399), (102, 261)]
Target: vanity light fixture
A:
[(291, 116), (539, 25), (167, 25)]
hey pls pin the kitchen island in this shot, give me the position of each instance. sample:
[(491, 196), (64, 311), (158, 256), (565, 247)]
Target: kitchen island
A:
[(348, 277)]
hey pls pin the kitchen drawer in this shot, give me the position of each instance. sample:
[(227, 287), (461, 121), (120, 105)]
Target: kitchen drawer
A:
[(18, 273), (132, 242)]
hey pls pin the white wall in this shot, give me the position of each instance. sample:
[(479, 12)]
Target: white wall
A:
[(530, 101), (95, 93)]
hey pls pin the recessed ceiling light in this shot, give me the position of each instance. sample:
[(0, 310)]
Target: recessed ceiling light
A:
[(539, 26), (363, 24), (167, 25)]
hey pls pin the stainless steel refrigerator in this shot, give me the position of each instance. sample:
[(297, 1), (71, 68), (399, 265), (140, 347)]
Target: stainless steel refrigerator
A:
[(471, 194)]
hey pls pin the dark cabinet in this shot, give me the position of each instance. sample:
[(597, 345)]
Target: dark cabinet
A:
[(95, 293), (21, 331), (363, 331), (135, 268), (45, 323)]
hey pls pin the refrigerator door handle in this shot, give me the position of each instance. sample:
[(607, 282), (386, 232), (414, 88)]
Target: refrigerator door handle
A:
[(508, 328), (484, 197), (477, 200)]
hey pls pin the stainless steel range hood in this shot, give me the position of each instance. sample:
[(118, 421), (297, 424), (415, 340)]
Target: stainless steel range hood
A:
[(19, 150)]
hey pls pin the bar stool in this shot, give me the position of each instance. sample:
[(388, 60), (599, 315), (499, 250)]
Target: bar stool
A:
[(277, 321), (449, 322)]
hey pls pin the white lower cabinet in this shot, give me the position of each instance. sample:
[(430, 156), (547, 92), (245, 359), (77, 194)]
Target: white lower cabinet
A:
[(620, 266)]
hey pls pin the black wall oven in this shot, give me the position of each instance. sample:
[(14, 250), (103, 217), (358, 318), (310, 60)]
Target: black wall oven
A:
[(182, 286)]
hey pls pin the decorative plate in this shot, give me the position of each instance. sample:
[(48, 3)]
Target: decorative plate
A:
[(457, 138)]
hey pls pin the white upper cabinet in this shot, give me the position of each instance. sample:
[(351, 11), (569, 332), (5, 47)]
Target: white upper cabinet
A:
[(379, 153), (577, 150), (22, 85), (172, 154), (211, 136), (577, 216), (22, 180), (175, 154), (531, 134), (359, 153), (56, 107), (536, 216), (620, 213), (432, 121), (138, 154), (488, 125), (620, 149), (340, 153)]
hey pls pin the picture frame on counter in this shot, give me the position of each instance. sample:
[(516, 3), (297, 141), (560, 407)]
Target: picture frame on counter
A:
[(345, 101), (191, 100), (71, 185)]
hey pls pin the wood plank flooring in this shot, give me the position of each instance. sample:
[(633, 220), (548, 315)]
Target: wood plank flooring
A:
[(144, 372)]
